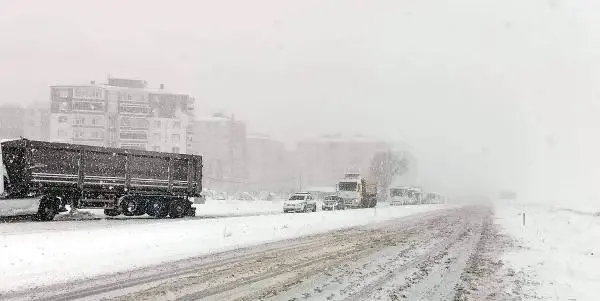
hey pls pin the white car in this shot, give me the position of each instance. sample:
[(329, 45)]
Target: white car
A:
[(300, 202)]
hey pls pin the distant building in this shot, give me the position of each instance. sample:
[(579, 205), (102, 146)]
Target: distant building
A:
[(30, 122), (269, 166), (122, 113), (221, 140), (324, 160)]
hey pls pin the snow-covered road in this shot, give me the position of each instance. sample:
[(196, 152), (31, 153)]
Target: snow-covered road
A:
[(425, 255), (65, 251)]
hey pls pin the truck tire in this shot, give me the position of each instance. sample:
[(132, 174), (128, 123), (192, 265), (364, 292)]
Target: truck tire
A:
[(112, 212), (133, 207), (47, 210), (157, 208), (177, 209)]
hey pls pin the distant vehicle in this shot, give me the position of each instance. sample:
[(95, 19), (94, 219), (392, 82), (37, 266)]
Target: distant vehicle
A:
[(432, 198), (333, 202), (405, 196), (508, 195), (244, 196), (300, 202), (41, 178), (356, 191)]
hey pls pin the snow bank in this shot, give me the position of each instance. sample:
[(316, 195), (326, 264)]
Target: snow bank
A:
[(559, 250), (49, 257), (212, 208), (219, 208)]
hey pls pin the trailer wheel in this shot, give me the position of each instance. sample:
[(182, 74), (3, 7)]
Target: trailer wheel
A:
[(112, 212), (177, 209), (157, 208), (47, 210), (132, 207)]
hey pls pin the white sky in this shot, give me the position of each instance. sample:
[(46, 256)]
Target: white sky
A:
[(490, 93)]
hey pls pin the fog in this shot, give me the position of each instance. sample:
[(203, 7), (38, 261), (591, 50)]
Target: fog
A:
[(490, 94)]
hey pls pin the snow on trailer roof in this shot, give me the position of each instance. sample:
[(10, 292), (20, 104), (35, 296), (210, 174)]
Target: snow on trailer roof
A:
[(8, 139), (100, 149)]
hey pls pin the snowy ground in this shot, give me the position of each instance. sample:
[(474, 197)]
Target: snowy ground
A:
[(28, 258), (224, 208), (558, 250)]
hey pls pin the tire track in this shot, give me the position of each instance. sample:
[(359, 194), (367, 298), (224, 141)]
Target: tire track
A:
[(210, 276)]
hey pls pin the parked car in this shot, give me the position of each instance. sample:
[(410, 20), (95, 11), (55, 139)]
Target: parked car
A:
[(244, 196), (333, 202), (300, 202)]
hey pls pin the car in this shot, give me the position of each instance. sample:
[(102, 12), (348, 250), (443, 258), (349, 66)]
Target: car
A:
[(333, 202), (300, 202)]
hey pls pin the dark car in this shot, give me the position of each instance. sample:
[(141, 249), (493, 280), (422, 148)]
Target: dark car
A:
[(333, 202)]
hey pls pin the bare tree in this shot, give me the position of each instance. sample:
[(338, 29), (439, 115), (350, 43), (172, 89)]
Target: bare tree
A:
[(385, 166)]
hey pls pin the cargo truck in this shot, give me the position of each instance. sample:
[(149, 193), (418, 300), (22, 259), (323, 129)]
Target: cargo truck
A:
[(41, 178), (356, 191)]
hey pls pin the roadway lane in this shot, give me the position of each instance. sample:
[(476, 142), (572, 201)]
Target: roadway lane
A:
[(420, 257)]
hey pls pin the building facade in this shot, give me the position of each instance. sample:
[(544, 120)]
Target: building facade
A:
[(269, 165), (221, 140), (30, 122), (325, 160), (123, 113)]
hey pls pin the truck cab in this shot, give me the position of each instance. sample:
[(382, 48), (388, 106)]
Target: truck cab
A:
[(300, 202), (356, 192)]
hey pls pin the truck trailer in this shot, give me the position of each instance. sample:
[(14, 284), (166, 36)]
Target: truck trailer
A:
[(41, 178)]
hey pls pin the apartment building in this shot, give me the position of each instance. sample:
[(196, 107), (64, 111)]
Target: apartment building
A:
[(268, 167), (122, 113), (325, 159), (31, 121), (221, 140)]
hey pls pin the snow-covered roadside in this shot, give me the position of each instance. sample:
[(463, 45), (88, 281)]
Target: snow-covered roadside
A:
[(44, 258), (558, 250), (215, 208), (219, 208)]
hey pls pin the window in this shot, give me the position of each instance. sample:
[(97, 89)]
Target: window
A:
[(156, 148), (133, 135), (156, 137), (78, 121), (78, 133), (62, 119), (175, 137), (98, 135), (176, 124), (348, 186), (176, 149), (62, 133), (63, 93), (97, 120), (157, 124), (63, 106)]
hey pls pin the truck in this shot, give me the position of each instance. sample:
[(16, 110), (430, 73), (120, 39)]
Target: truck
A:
[(432, 198), (405, 195), (357, 191), (40, 178)]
